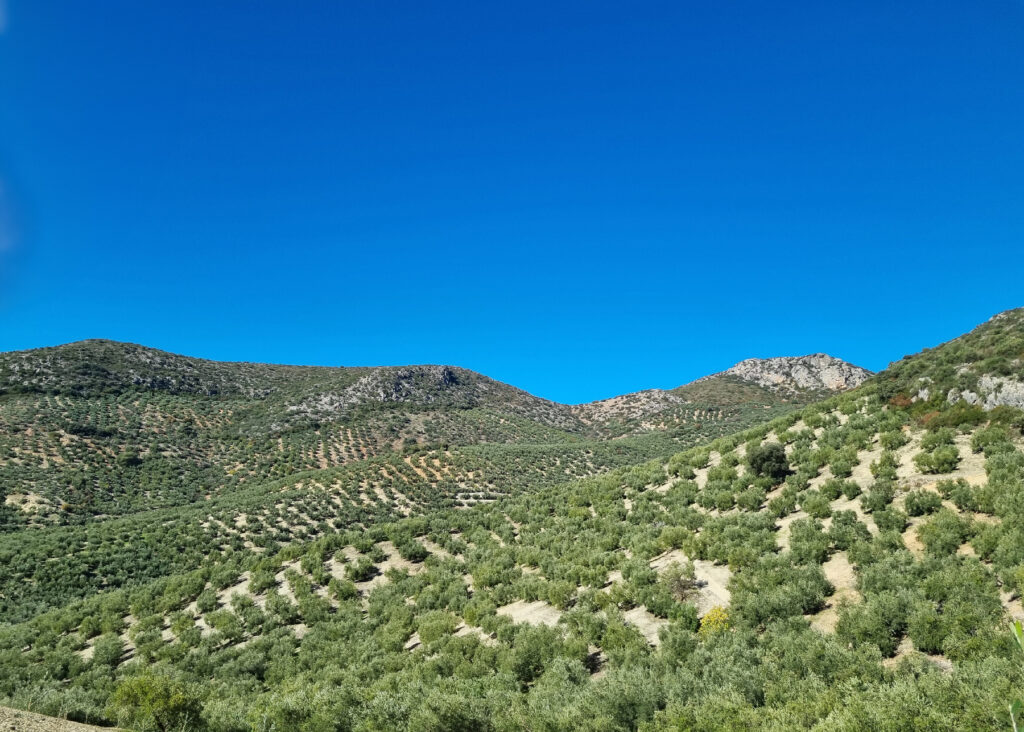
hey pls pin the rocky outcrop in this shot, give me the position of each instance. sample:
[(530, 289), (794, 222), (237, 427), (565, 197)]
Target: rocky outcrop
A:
[(992, 392), (434, 387), (817, 372), (422, 385)]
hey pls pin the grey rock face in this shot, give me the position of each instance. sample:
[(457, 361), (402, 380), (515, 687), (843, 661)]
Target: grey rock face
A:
[(993, 391), (816, 372)]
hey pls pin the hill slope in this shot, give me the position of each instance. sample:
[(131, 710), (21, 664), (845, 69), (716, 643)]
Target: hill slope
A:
[(103, 443), (559, 590)]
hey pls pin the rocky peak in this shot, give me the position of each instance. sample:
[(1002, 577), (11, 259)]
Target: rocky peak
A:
[(816, 372)]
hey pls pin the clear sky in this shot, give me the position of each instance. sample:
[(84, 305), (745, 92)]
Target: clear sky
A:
[(582, 199)]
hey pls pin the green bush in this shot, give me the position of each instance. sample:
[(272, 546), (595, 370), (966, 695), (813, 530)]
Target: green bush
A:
[(816, 505), (807, 542), (893, 440), (944, 532), (988, 437), (769, 460), (921, 502), (890, 519), (880, 621), (152, 701), (885, 467), (943, 459), (846, 530), (937, 438), (436, 624), (879, 497)]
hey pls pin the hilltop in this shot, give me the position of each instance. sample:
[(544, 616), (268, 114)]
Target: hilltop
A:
[(817, 373), (765, 382), (96, 368)]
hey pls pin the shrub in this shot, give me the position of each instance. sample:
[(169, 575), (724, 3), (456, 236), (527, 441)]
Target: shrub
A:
[(890, 519), (724, 500), (774, 588), (937, 438), (893, 440), (885, 467), (944, 533), (816, 505), (412, 551), (989, 436), (436, 624), (152, 701), (560, 593), (714, 622), (807, 542), (880, 496), (919, 503), (962, 496), (751, 499), (879, 621), (943, 459), (1007, 416), (680, 579), (361, 570), (832, 489), (846, 530), (342, 590), (672, 537), (207, 601), (927, 629), (769, 460), (842, 465), (782, 505)]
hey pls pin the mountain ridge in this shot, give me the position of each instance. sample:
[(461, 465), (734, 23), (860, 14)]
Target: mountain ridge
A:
[(375, 383)]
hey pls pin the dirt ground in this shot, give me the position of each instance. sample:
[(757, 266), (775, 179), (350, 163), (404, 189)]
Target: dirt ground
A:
[(15, 720), (841, 574), (535, 613), (713, 579), (646, 623)]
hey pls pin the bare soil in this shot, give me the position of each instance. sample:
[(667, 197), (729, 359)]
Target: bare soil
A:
[(15, 720), (534, 613)]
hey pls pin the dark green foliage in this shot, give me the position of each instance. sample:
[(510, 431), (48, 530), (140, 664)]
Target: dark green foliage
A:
[(768, 460), (879, 497), (846, 530), (938, 453), (880, 621), (773, 589), (893, 440), (807, 542)]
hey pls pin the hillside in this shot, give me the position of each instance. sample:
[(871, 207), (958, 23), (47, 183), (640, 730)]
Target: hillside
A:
[(847, 564), (754, 383), (135, 462), (982, 368), (104, 428)]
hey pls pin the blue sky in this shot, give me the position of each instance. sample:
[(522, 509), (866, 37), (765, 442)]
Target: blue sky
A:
[(581, 199)]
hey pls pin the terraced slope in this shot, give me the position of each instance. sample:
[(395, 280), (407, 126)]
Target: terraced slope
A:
[(136, 462), (850, 565), (99, 428)]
